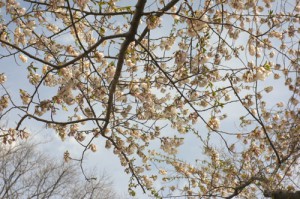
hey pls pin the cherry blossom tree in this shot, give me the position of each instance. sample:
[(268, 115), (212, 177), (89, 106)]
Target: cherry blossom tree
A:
[(145, 76)]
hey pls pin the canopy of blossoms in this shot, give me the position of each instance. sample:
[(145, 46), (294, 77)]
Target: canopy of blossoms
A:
[(145, 75)]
